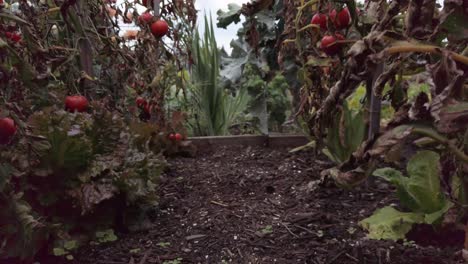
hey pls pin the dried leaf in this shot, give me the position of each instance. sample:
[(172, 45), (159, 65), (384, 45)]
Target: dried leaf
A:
[(389, 139), (91, 194)]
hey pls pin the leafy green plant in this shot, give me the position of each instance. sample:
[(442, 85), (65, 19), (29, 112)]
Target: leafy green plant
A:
[(174, 261), (420, 193), (215, 107), (267, 230), (278, 102), (345, 135), (106, 236), (406, 104), (72, 193)]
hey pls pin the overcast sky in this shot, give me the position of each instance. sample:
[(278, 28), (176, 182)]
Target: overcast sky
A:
[(223, 36)]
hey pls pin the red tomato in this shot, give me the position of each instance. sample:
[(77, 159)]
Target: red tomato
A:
[(320, 20), (178, 137), (159, 28), (7, 130), (145, 18), (13, 36), (329, 44), (342, 20), (147, 108), (140, 101), (76, 103), (172, 136)]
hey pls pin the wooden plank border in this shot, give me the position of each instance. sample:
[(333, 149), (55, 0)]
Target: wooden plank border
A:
[(273, 141)]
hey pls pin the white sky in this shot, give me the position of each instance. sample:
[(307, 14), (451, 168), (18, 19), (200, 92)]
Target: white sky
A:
[(223, 36)]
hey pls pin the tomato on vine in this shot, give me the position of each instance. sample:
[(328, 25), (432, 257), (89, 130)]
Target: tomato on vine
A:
[(76, 103), (159, 28), (7, 130), (320, 20)]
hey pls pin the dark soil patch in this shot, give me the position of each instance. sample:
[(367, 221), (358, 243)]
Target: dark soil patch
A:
[(256, 205)]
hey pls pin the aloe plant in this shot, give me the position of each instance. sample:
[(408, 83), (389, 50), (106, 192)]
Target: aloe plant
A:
[(215, 109)]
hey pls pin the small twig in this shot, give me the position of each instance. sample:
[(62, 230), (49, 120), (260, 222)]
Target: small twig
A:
[(220, 204), (336, 257), (143, 260), (351, 257), (305, 229), (289, 230)]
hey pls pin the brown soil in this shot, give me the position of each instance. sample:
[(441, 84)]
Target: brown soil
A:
[(257, 205)]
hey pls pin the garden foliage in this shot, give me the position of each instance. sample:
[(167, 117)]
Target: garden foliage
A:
[(70, 178)]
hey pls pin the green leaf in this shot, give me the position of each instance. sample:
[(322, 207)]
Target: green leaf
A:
[(345, 135), (419, 192), (59, 252), (437, 216), (70, 245), (106, 236), (10, 16), (424, 182), (231, 16), (389, 223)]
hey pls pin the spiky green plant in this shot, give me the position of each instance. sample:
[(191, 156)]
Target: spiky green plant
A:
[(215, 109)]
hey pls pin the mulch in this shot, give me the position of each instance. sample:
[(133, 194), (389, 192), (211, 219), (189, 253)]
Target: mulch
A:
[(261, 205)]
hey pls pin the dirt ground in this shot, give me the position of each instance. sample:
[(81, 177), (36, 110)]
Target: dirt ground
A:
[(260, 205)]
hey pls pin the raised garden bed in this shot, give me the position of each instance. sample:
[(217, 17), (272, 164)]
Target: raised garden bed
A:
[(238, 204)]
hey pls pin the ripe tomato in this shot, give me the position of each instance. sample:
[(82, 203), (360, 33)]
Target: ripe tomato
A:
[(178, 137), (320, 20), (342, 19), (7, 130), (140, 101), (76, 103), (13, 36), (329, 44), (172, 136), (145, 18), (159, 28), (147, 108)]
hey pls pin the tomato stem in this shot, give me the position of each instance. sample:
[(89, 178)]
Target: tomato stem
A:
[(425, 49)]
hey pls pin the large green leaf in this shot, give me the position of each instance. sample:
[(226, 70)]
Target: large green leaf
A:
[(231, 16), (419, 192), (345, 135), (389, 223)]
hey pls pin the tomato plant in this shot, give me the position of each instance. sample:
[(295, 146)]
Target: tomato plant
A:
[(381, 52), (69, 111)]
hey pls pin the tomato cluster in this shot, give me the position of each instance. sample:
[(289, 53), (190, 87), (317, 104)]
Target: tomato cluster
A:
[(175, 137), (144, 105), (340, 20)]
